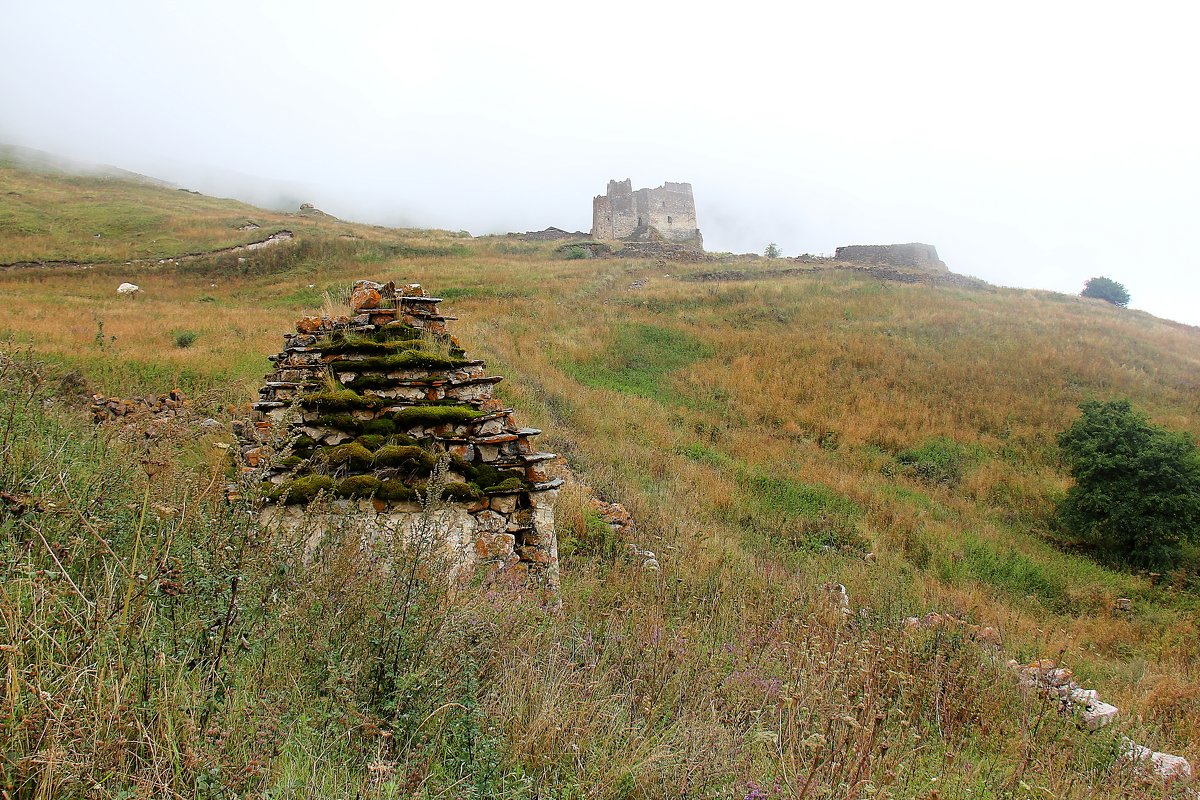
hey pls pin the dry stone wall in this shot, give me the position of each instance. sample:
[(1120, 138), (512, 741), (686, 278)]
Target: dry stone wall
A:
[(913, 255), (370, 402)]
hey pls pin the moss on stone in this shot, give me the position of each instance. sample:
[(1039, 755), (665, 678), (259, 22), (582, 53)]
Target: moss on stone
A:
[(409, 359), (491, 479), (372, 441), (351, 456), (431, 415), (402, 457), (358, 486), (341, 422), (460, 492), (507, 485), (395, 491), (369, 345), (302, 490), (340, 400), (381, 426)]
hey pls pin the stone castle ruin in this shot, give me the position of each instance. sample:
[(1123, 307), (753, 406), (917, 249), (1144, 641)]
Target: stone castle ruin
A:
[(913, 255), (666, 213), (371, 402)]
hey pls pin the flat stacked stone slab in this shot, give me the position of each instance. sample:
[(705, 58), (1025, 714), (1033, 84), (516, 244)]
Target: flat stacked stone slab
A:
[(371, 401)]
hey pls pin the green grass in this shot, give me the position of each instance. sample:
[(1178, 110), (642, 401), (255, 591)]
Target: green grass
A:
[(641, 360), (763, 434)]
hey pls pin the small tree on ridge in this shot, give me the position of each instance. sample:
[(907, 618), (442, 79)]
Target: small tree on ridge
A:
[(1107, 289)]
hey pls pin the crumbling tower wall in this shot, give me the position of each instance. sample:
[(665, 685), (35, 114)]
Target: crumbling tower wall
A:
[(371, 402), (666, 212)]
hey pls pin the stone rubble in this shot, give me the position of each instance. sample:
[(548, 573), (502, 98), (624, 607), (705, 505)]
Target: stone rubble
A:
[(622, 524), (370, 401), (1046, 676), (172, 404), (1166, 765)]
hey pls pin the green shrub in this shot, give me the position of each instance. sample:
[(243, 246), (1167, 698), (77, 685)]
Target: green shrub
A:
[(1106, 289), (1136, 497), (186, 338)]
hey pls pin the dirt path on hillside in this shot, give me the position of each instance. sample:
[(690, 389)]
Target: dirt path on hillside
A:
[(275, 238)]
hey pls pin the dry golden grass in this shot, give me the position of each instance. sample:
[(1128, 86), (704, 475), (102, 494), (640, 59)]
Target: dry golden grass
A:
[(729, 668)]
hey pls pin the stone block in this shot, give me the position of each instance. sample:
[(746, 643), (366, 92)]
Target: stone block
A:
[(1097, 715)]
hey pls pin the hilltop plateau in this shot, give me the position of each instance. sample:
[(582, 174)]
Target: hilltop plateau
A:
[(774, 427)]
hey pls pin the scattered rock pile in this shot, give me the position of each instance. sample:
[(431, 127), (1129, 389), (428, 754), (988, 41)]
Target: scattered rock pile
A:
[(621, 522), (1056, 681), (548, 235), (662, 251), (172, 404), (1046, 676), (372, 401)]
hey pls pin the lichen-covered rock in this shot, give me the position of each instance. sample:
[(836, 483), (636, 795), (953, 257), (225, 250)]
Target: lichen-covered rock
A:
[(365, 295)]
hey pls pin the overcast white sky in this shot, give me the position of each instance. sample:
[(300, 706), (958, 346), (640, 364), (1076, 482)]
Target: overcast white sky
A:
[(1035, 143)]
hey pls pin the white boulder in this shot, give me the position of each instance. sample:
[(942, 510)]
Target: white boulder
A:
[(1165, 764), (128, 288), (1098, 714)]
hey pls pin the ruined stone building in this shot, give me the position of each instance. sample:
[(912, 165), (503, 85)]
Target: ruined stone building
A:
[(913, 255), (370, 404), (668, 212)]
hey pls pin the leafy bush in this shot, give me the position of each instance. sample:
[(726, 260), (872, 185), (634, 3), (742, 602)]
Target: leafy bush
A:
[(1106, 289), (772, 251), (186, 338), (1136, 497)]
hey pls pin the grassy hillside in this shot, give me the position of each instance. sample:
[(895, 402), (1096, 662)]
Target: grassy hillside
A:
[(771, 435)]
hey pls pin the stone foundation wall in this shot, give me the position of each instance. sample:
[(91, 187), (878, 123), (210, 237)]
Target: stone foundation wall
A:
[(913, 255)]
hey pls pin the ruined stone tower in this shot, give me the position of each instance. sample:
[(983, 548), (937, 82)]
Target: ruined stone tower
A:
[(370, 404), (668, 212)]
